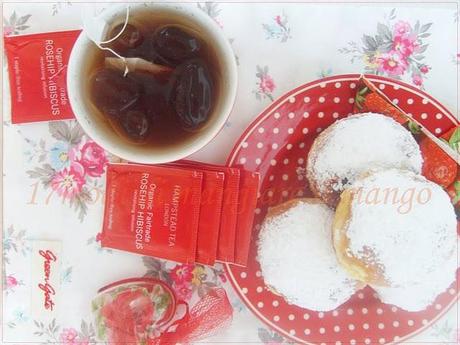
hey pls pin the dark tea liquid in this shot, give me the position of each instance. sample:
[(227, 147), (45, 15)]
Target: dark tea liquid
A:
[(157, 109)]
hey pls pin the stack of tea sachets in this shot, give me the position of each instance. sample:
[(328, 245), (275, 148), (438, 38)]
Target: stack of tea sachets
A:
[(184, 211)]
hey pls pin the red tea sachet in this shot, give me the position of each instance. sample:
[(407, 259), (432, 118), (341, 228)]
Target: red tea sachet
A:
[(247, 201), (152, 210), (227, 230), (210, 213), (37, 68)]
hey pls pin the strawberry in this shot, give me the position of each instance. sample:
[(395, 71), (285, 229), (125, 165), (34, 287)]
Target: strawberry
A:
[(375, 102), (369, 100), (437, 165), (452, 138)]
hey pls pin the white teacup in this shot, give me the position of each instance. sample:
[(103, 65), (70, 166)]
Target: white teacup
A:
[(100, 130)]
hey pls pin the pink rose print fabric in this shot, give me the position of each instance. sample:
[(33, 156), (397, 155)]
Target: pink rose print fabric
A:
[(68, 336), (187, 280), (11, 283), (69, 164), (54, 333), (278, 28), (69, 182), (265, 85), (93, 159), (395, 50), (15, 24)]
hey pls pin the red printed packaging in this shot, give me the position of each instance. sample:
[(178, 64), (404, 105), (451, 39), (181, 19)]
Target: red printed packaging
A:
[(152, 210), (247, 201), (210, 214), (227, 231), (226, 246), (228, 219), (37, 68)]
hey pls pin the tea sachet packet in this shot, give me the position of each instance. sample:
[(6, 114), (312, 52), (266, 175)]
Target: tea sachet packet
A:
[(152, 210)]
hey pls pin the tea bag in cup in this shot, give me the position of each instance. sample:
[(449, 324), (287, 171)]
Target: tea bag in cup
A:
[(96, 28)]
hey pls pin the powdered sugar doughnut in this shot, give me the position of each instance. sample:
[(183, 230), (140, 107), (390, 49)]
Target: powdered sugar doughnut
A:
[(297, 258), (419, 296), (354, 146), (395, 228)]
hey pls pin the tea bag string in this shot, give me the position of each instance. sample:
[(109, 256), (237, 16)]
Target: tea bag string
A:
[(99, 44), (125, 24)]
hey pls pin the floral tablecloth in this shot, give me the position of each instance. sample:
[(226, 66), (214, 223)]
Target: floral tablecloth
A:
[(278, 47)]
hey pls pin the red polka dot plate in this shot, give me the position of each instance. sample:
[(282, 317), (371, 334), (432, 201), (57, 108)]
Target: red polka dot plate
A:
[(276, 145)]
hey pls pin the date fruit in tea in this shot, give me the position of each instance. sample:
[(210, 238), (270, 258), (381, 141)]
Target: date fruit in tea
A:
[(113, 93), (175, 45), (130, 37), (191, 95), (136, 124), (168, 94)]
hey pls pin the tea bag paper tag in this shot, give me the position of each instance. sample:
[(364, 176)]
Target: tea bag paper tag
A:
[(45, 279)]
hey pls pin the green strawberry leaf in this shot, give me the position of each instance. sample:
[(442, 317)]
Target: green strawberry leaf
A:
[(363, 91), (455, 139), (457, 186), (456, 198), (414, 128), (359, 101)]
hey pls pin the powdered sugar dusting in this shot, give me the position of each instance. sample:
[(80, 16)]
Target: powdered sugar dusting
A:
[(409, 226), (419, 296), (298, 261), (358, 144)]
